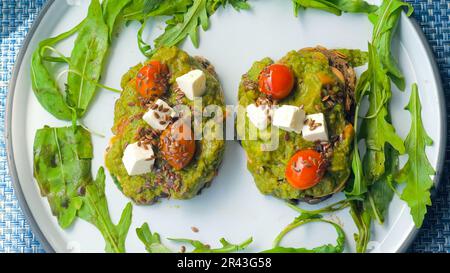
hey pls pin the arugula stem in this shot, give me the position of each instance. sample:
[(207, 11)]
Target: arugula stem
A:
[(374, 115), (299, 223), (290, 227), (145, 48), (86, 78), (91, 131), (330, 208), (54, 59), (61, 56)]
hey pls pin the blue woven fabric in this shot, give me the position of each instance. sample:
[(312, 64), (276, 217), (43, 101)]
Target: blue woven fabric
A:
[(433, 17), (16, 18)]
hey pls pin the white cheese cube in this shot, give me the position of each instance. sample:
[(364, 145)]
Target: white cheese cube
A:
[(193, 84), (137, 159), (159, 115), (315, 128), (289, 118), (259, 115)]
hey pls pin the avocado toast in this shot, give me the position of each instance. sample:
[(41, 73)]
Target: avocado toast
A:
[(306, 102), (174, 168)]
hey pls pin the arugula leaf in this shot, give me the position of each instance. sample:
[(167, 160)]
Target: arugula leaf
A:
[(95, 211), (62, 168), (85, 64), (417, 171), (145, 48), (87, 59), (335, 6), (152, 241), (153, 9), (375, 202), (43, 83), (140, 10), (197, 15), (385, 19), (363, 221), (304, 219), (111, 12), (238, 5), (380, 194), (374, 176), (377, 129), (374, 179), (186, 17), (227, 247), (359, 185)]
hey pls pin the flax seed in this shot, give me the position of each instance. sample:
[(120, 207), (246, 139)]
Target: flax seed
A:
[(287, 137), (195, 229)]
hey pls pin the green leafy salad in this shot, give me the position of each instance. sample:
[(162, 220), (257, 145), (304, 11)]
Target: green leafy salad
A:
[(62, 155)]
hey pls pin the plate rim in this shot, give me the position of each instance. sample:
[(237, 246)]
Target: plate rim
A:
[(10, 154)]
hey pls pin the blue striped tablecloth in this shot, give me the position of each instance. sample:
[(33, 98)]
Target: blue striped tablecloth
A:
[(16, 18)]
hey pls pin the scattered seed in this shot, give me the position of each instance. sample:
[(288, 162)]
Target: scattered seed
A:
[(195, 229)]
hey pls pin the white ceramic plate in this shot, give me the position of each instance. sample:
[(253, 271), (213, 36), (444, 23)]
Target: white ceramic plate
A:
[(232, 207)]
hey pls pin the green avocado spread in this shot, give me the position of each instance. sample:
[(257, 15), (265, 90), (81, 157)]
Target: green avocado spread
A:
[(164, 181), (310, 67)]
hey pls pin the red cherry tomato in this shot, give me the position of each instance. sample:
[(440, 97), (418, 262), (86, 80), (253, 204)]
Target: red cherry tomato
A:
[(152, 80), (277, 81), (177, 145), (305, 169)]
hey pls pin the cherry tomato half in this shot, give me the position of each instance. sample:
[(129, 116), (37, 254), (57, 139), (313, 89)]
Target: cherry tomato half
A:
[(305, 169), (177, 145), (277, 81), (152, 80)]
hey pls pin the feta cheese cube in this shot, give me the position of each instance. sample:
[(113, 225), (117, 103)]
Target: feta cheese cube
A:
[(193, 84), (289, 118), (315, 128), (137, 159), (159, 115), (259, 115)]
